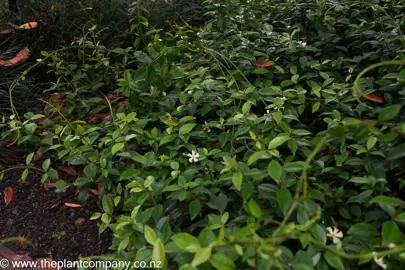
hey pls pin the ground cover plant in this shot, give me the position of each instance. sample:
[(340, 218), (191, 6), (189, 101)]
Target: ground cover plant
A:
[(271, 137)]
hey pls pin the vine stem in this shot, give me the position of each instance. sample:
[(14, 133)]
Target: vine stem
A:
[(302, 181), (356, 89), (22, 167)]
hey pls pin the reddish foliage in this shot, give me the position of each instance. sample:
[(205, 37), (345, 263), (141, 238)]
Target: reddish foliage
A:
[(262, 64), (99, 116), (68, 170), (8, 195), (114, 96)]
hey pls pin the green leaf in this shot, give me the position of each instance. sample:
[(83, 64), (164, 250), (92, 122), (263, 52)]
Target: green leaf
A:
[(149, 181), (194, 208), (371, 142), (24, 175), (185, 129), (390, 233), (150, 235), (396, 153), (46, 164), (254, 208), (385, 200), (117, 147), (319, 233), (186, 242), (284, 199), (400, 218), (107, 205), (158, 253), (277, 141), (316, 106), (293, 70), (202, 255), (222, 262), (389, 113), (90, 171), (255, 157), (167, 139), (363, 230), (294, 166), (237, 179), (29, 159), (334, 260), (275, 170)]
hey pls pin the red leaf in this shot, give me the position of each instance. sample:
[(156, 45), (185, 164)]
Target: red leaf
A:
[(375, 98), (68, 170), (21, 57), (73, 205), (8, 195), (99, 116), (372, 97), (113, 96), (99, 186), (262, 64)]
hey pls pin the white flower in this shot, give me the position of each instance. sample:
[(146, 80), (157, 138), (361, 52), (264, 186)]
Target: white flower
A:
[(190, 92), (380, 262), (391, 245), (267, 111), (12, 117), (207, 127), (335, 234), (193, 156)]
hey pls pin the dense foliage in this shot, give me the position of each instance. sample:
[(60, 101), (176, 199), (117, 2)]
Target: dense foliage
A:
[(255, 141)]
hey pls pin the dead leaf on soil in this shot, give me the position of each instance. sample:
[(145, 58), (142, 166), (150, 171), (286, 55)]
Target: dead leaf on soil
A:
[(80, 221), (73, 205), (21, 57), (8, 195)]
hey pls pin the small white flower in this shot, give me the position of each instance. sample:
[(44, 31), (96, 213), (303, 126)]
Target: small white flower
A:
[(335, 234), (207, 127), (193, 156), (391, 245), (190, 92), (380, 262), (12, 117), (267, 111)]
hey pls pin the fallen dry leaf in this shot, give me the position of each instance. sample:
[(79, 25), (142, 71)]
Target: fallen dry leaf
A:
[(73, 205), (80, 221), (30, 25), (21, 57), (8, 195)]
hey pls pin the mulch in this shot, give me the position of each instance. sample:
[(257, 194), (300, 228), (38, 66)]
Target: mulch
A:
[(41, 216)]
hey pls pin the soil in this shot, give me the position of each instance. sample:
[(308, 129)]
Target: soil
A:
[(40, 215)]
